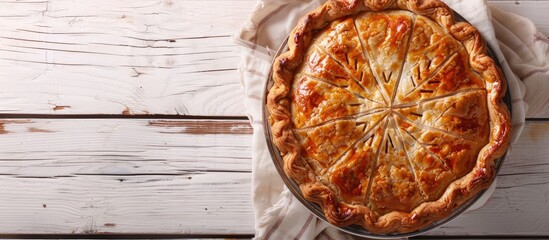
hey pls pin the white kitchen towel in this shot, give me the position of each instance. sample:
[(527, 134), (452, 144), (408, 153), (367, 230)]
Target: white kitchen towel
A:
[(520, 48)]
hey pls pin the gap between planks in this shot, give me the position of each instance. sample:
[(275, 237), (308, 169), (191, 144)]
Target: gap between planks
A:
[(118, 116), (125, 236), (146, 116), (106, 189)]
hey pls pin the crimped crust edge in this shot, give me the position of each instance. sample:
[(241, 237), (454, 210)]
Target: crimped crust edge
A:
[(459, 191)]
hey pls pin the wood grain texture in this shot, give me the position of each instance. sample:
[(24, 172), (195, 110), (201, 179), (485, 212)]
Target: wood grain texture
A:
[(158, 176), (167, 176), (199, 203), (121, 57), (519, 204), (133, 57), (122, 146), (125, 176)]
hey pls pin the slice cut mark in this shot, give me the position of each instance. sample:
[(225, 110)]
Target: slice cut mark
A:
[(404, 134), (368, 123), (357, 83), (384, 37), (323, 145), (327, 143), (315, 102), (367, 79), (351, 86), (394, 186), (418, 75), (421, 77), (379, 86), (432, 173), (440, 97), (438, 159), (430, 47), (370, 85), (403, 145), (381, 132), (319, 65), (370, 78), (350, 117), (444, 112), (404, 61), (464, 114), (442, 131), (455, 75), (341, 43), (349, 174)]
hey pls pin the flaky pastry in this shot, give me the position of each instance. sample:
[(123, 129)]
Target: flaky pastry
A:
[(388, 114)]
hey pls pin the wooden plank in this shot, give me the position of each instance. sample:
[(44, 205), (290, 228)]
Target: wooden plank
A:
[(193, 176), (60, 147), (519, 204), (121, 57), (133, 57), (125, 176), (204, 203)]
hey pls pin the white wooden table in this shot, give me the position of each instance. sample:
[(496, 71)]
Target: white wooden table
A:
[(127, 117)]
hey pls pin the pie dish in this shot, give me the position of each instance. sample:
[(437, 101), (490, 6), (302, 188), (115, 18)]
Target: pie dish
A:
[(388, 114)]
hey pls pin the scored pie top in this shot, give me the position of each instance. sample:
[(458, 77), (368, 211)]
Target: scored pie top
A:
[(388, 113)]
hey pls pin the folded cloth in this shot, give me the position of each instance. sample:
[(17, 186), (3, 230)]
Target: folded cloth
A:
[(520, 48), (527, 52)]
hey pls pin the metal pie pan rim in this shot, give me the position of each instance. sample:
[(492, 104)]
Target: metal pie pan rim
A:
[(357, 230)]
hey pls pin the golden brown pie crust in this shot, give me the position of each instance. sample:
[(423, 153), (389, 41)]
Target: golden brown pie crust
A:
[(388, 114)]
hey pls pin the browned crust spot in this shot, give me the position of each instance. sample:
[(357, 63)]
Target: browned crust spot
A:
[(340, 214)]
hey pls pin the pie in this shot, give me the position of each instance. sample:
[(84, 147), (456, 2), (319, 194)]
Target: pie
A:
[(388, 114)]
